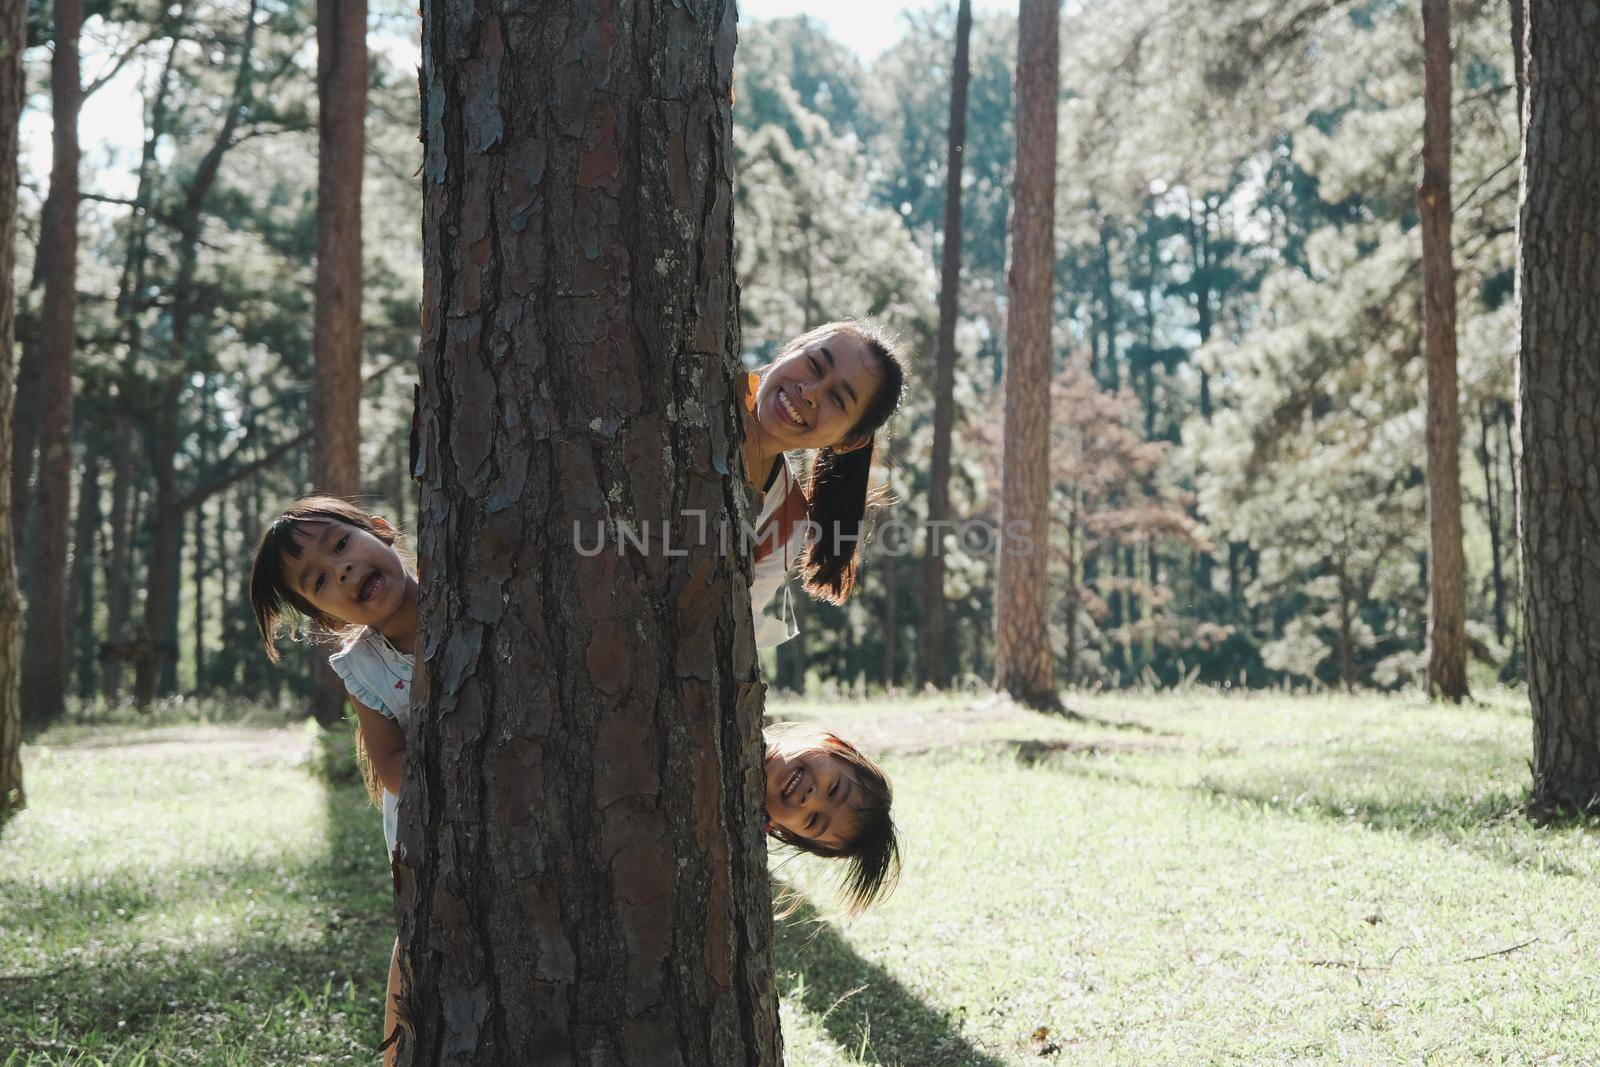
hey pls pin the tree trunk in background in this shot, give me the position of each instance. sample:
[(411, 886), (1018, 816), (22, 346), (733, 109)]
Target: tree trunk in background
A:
[(24, 433), (933, 659), (81, 580), (118, 582), (1519, 54), (336, 392), (1447, 595), (161, 584), (13, 30), (199, 599), (1022, 632), (1494, 510), (891, 624), (44, 653), (582, 876), (1558, 390)]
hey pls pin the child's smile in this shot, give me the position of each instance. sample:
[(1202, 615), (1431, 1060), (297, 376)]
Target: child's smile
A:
[(350, 575), (809, 793)]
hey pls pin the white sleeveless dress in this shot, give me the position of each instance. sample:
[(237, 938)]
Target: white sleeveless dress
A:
[(378, 675)]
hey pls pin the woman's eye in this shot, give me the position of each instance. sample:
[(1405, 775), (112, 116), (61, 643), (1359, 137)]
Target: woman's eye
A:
[(318, 587), (816, 368), (834, 788), (340, 546), (837, 399), (810, 823)]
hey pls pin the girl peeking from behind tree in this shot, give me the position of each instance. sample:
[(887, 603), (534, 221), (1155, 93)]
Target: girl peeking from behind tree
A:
[(335, 565)]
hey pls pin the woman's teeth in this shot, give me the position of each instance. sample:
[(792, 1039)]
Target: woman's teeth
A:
[(789, 409), (794, 780)]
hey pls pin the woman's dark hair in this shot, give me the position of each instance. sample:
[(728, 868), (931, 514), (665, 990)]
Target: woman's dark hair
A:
[(872, 845), (837, 487), (272, 597)]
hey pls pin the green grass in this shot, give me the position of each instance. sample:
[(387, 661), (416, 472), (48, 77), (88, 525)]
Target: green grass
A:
[(1187, 878)]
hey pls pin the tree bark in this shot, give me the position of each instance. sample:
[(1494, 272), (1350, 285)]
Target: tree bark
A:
[(1022, 632), (44, 653), (581, 873), (336, 391), (1558, 396), (117, 580), (933, 660), (13, 31), (1447, 598), (81, 578)]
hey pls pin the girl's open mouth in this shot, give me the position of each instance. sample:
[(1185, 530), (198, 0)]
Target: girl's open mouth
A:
[(794, 780), (371, 586)]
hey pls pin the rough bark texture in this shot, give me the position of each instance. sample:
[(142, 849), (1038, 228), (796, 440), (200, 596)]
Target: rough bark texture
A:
[(933, 661), (44, 653), (1022, 634), (1559, 399), (581, 875), (13, 19), (1447, 595), (336, 393)]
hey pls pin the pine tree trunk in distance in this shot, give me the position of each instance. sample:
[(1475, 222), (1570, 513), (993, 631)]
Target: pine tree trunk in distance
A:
[(44, 653), (1022, 658), (582, 874), (933, 660), (1447, 595), (13, 30), (1558, 395), (336, 391)]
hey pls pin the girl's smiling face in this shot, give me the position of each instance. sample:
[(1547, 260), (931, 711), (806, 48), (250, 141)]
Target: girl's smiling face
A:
[(348, 574), (811, 793), (814, 396)]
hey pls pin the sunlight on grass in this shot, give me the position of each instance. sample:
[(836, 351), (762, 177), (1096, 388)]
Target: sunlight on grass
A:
[(1196, 877)]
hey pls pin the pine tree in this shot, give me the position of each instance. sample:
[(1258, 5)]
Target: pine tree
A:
[(582, 875), (1023, 665), (13, 30)]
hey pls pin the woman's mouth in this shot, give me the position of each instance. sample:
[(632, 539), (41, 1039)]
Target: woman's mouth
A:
[(793, 781), (370, 587), (788, 408)]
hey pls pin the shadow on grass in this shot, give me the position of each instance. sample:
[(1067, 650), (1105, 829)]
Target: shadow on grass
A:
[(292, 969), (861, 1005)]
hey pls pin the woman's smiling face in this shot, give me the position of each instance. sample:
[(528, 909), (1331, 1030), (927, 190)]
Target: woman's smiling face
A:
[(814, 396), (347, 574)]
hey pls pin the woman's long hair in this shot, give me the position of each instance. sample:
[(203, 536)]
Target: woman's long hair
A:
[(837, 487)]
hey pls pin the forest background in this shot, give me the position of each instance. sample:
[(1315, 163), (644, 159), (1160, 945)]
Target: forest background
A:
[(1237, 460)]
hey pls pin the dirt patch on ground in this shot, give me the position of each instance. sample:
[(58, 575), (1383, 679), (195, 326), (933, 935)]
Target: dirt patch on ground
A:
[(1000, 724)]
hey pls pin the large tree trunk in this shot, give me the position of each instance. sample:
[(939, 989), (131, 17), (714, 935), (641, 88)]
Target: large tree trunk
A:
[(581, 874), (44, 653), (1022, 632), (13, 30), (1558, 392), (1447, 596), (933, 660), (336, 392)]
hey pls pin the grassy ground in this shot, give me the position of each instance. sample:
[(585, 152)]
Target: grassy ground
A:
[(1179, 879)]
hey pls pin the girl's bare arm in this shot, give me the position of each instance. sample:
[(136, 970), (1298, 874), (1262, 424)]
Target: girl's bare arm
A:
[(385, 743)]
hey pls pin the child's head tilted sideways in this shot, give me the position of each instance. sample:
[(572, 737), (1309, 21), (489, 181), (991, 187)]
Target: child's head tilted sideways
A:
[(330, 561), (823, 796)]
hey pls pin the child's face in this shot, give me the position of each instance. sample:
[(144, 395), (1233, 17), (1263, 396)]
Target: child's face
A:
[(812, 793), (347, 574)]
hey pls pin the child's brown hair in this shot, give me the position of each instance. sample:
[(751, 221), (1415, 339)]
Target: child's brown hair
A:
[(873, 846)]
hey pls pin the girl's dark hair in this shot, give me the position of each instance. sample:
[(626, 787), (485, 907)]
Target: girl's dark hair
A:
[(837, 487), (872, 846), (272, 597)]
